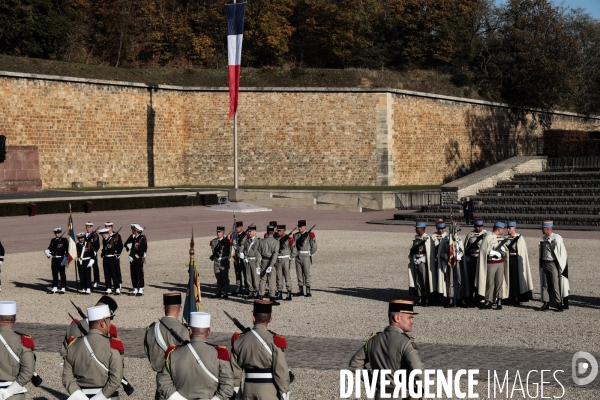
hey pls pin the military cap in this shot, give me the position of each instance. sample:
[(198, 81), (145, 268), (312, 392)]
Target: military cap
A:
[(273, 223), (458, 228), (137, 227), (270, 228), (512, 224), (402, 306), (103, 230), (98, 313), (252, 228), (81, 234), (547, 223), (262, 307), (108, 223), (301, 222), (238, 224), (200, 320), (109, 302), (8, 307), (420, 224), (499, 224), (171, 298), (57, 230), (440, 224), (220, 229), (281, 227), (89, 223), (478, 222)]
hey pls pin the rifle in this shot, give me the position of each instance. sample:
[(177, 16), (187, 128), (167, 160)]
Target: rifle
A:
[(114, 233), (35, 379), (126, 385), (415, 247), (474, 243), (244, 329), (218, 246), (175, 334), (79, 311), (86, 240), (286, 237), (303, 236), (237, 236)]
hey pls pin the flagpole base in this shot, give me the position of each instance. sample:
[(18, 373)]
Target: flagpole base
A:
[(236, 195)]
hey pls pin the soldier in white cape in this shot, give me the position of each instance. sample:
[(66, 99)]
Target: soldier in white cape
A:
[(422, 277), (493, 261), (520, 284), (554, 270)]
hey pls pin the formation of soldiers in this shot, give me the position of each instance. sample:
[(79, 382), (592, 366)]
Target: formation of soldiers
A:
[(262, 265), (487, 269), (87, 253)]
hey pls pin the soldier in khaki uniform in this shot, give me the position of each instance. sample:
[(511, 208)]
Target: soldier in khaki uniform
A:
[(422, 269), (260, 353), (393, 349), (554, 270), (92, 366), (492, 268), (198, 370), (241, 279), (220, 250), (251, 258), (306, 246), (159, 339), (73, 330), (472, 244), (17, 361), (283, 264), (268, 248)]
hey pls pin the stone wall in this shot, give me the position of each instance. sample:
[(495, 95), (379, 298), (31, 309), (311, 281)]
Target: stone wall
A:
[(20, 172), (129, 134)]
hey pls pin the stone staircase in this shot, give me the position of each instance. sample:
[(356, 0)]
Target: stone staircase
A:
[(568, 198)]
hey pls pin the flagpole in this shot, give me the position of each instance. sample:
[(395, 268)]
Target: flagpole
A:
[(235, 146)]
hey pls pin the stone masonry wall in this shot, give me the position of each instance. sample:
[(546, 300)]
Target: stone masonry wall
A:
[(128, 134)]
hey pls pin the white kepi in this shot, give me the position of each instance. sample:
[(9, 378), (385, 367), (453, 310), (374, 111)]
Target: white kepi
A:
[(8, 307), (98, 313), (200, 320)]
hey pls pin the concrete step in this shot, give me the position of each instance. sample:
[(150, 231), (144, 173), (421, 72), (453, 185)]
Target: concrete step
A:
[(575, 183), (575, 219), (339, 207), (537, 200), (513, 208), (541, 192), (546, 176)]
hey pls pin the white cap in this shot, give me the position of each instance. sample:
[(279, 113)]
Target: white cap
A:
[(103, 230), (10, 307), (98, 313), (89, 223), (108, 223), (200, 320), (137, 227), (81, 234), (57, 230)]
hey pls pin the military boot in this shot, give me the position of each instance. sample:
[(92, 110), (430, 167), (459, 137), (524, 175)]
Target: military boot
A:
[(274, 301), (544, 307), (300, 291), (499, 305), (289, 296), (308, 292), (279, 296)]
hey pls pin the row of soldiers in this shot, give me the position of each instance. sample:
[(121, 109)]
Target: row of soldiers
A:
[(488, 268), (187, 366), (87, 252), (262, 266)]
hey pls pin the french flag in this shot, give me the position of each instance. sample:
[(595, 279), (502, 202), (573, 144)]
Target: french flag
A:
[(235, 34)]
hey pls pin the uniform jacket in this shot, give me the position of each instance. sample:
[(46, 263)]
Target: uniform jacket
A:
[(471, 237), (310, 244), (248, 353), (154, 351), (139, 247), (250, 251), (560, 251), (95, 242), (223, 253), (269, 250), (524, 269), (88, 252), (443, 251), (391, 349), (431, 265), (488, 244), (183, 374), (59, 247), (22, 346), (80, 370)]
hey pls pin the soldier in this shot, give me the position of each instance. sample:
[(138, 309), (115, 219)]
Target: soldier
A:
[(198, 370), (1, 261), (306, 246), (241, 279), (18, 361), (460, 276), (221, 249), (85, 263), (451, 268), (268, 249), (92, 237), (393, 349), (58, 250), (472, 244), (492, 268), (109, 262), (118, 246), (260, 354), (554, 269), (282, 267), (91, 366), (520, 283), (422, 277), (274, 225), (159, 339), (251, 258), (440, 268), (137, 245), (73, 330)]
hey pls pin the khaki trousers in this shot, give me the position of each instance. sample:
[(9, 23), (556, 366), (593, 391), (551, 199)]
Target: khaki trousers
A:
[(303, 269), (421, 282), (550, 284), (495, 279)]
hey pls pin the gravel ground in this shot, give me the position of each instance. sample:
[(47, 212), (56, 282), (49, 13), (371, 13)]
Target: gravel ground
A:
[(354, 274)]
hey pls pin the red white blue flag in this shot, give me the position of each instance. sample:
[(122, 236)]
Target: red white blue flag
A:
[(235, 34)]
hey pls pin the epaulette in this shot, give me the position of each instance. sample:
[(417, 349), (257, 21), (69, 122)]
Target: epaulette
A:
[(366, 347), (74, 321), (311, 235), (169, 350), (222, 353), (210, 244), (291, 241), (27, 341), (71, 340), (113, 330), (280, 341), (117, 344), (235, 337)]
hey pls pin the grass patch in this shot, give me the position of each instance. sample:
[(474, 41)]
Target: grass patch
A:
[(429, 81)]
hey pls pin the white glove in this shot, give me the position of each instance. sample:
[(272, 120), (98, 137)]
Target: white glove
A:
[(495, 255), (0, 262), (144, 255), (258, 270), (285, 396), (64, 261), (459, 256), (47, 253), (269, 269), (91, 263), (128, 246), (419, 259), (130, 259), (99, 396), (78, 395), (215, 398), (177, 396), (241, 256), (14, 388), (4, 394)]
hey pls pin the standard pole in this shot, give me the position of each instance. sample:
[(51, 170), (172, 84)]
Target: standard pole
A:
[(235, 152)]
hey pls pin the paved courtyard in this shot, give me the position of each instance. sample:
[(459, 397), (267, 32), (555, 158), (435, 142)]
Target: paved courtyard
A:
[(357, 268)]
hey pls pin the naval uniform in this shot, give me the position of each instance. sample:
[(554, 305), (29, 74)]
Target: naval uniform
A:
[(110, 263), (95, 245), (85, 275), (137, 254), (13, 370), (59, 251)]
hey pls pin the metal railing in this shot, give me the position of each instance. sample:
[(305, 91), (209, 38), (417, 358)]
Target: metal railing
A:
[(573, 164)]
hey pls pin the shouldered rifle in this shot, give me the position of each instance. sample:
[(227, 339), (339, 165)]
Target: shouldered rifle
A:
[(303, 236), (415, 247), (126, 385), (79, 311), (217, 248), (237, 323), (474, 243), (174, 334), (114, 233), (286, 237)]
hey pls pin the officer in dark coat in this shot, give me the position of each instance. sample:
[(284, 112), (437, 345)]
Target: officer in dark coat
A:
[(137, 245), (58, 250)]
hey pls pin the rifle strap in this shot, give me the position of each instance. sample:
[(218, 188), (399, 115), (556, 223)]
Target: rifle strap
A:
[(10, 351), (87, 344), (159, 337), (262, 341), (201, 364)]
